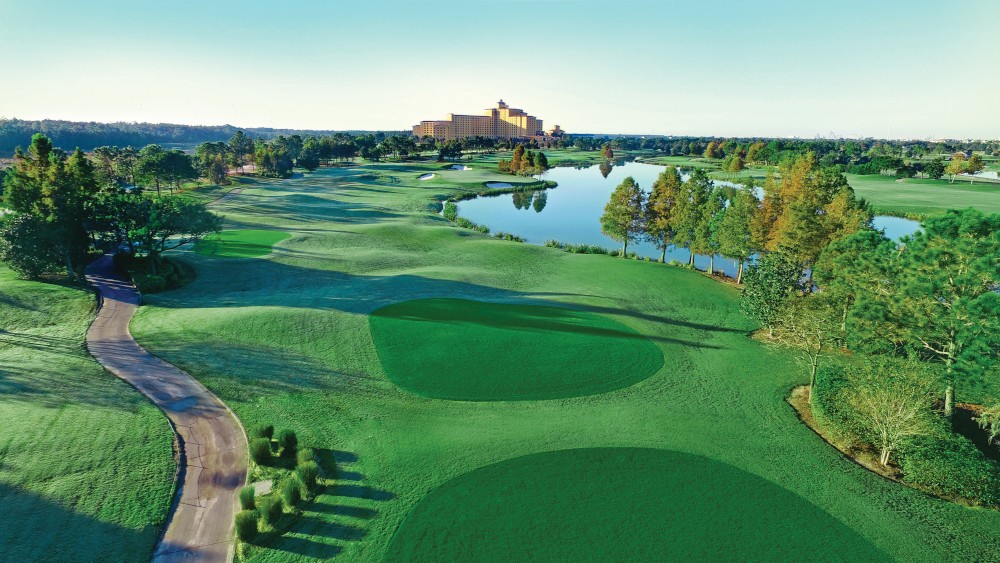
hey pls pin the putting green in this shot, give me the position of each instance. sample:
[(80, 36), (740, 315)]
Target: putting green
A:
[(478, 351), (242, 243), (620, 504)]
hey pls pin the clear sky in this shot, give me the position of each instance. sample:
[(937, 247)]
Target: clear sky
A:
[(897, 68)]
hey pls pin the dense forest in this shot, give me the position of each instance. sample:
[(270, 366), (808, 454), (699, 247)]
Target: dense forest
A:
[(69, 135)]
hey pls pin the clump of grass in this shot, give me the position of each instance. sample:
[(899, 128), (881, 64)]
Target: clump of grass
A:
[(507, 236), (270, 509), (288, 442), (581, 248), (291, 490), (263, 431), (260, 450), (308, 474), (305, 455), (247, 496), (246, 525)]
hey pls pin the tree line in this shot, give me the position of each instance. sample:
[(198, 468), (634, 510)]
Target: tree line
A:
[(524, 162)]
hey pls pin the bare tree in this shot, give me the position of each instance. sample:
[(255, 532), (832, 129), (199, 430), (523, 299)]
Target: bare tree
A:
[(809, 324), (891, 403)]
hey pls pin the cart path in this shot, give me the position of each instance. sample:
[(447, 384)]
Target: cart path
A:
[(212, 443)]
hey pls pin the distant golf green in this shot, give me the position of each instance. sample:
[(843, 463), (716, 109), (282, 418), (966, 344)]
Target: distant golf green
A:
[(478, 351), (620, 504), (242, 243)]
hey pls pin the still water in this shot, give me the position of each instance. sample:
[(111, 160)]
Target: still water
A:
[(571, 212)]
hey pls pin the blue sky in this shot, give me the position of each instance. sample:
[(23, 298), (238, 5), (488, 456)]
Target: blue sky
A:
[(914, 69)]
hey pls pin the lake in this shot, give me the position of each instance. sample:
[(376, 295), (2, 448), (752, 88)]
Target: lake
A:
[(571, 212)]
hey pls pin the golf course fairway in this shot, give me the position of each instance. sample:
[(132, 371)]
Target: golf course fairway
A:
[(620, 504), (241, 243), (479, 351)]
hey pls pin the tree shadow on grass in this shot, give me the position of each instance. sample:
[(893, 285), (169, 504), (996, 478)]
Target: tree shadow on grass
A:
[(35, 528)]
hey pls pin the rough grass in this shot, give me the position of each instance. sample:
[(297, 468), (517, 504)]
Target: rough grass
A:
[(477, 351), (285, 340), (86, 463), (620, 504), (240, 243)]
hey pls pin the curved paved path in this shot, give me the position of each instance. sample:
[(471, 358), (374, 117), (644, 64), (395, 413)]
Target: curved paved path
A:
[(213, 447)]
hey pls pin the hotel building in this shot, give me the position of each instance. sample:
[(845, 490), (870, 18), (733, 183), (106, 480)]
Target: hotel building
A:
[(499, 122)]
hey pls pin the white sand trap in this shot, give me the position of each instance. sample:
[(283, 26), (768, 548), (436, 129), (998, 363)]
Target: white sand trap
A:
[(459, 167), (426, 176), (497, 185)]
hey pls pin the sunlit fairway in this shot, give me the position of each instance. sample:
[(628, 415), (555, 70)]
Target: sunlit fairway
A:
[(471, 350), (620, 504), (241, 243), (925, 197), (86, 468), (287, 339)]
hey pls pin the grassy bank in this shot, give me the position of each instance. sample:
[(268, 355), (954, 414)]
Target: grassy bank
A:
[(86, 463)]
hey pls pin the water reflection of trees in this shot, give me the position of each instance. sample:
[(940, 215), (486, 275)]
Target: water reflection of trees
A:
[(530, 200), (606, 168)]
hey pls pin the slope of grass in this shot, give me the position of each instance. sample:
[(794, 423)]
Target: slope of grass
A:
[(477, 351), (285, 340), (620, 504), (86, 463), (240, 243)]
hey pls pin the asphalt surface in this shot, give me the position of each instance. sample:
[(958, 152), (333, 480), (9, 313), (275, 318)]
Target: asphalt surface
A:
[(210, 440)]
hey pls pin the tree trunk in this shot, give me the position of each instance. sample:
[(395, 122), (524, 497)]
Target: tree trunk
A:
[(812, 379), (949, 400), (739, 273), (70, 272), (154, 259), (884, 457), (711, 264), (663, 254), (625, 249), (691, 259)]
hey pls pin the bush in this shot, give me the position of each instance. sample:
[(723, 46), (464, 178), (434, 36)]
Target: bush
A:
[(450, 211), (246, 525), (291, 490), (270, 509), (950, 465), (308, 473), (149, 283), (304, 455), (263, 431), (288, 443), (260, 450), (247, 495)]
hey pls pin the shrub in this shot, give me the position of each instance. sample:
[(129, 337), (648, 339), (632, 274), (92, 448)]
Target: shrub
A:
[(149, 283), (263, 431), (247, 495), (246, 525), (291, 490), (308, 473), (450, 211), (288, 443), (260, 450), (950, 465), (304, 455), (269, 508)]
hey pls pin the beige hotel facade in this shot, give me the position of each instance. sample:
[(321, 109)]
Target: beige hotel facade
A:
[(499, 122)]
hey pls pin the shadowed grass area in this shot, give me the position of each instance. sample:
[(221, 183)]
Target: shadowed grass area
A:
[(241, 243), (620, 504), (86, 463), (478, 351)]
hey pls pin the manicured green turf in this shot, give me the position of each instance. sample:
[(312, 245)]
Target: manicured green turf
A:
[(287, 341), (241, 243), (620, 504), (917, 196), (86, 463), (478, 351)]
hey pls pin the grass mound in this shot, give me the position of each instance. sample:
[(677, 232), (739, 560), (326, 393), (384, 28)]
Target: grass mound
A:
[(478, 351), (620, 504), (242, 243)]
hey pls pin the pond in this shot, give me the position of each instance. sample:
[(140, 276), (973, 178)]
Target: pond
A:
[(571, 212)]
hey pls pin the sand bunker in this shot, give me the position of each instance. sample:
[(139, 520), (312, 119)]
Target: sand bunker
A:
[(497, 185), (426, 176), (459, 167)]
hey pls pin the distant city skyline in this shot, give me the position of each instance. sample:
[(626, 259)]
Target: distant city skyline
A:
[(895, 69)]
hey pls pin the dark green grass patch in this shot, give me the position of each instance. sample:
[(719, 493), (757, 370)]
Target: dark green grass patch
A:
[(620, 504), (241, 243), (478, 351)]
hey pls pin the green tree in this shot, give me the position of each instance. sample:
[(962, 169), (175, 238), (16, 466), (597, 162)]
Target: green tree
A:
[(975, 165), (607, 152), (733, 234), (660, 210), (767, 285), (808, 323), (240, 145), (691, 226), (151, 167), (890, 403), (858, 266), (25, 246), (309, 156), (934, 169), (541, 162), (956, 165), (623, 215)]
